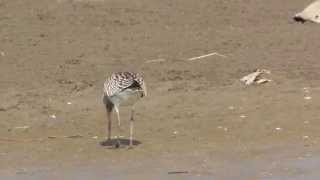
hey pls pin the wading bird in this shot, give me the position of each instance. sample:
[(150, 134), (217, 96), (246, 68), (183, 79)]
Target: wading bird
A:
[(122, 88)]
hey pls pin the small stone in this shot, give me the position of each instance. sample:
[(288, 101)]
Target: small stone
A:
[(95, 137), (53, 116), (278, 129), (243, 116), (69, 103), (307, 97), (2, 53), (175, 132)]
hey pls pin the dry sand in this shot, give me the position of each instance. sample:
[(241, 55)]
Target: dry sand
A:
[(197, 118)]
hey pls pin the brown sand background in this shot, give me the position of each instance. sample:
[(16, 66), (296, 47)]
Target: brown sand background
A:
[(198, 117)]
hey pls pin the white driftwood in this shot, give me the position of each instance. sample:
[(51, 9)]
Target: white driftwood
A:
[(255, 77), (206, 55), (155, 60), (263, 80), (310, 13)]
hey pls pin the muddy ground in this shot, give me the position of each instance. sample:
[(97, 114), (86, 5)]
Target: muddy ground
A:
[(198, 118)]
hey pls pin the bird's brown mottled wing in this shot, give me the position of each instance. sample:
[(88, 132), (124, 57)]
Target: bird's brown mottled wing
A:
[(118, 82)]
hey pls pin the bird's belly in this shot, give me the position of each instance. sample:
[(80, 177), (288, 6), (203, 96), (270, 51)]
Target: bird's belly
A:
[(126, 97)]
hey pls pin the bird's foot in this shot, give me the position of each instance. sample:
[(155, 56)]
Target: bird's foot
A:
[(107, 142), (117, 144)]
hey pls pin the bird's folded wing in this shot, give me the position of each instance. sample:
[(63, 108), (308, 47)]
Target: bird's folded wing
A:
[(112, 87)]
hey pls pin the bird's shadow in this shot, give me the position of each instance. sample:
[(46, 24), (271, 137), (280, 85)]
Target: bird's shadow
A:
[(113, 142)]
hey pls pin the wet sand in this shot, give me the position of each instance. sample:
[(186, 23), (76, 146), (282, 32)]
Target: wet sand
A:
[(198, 117), (270, 163)]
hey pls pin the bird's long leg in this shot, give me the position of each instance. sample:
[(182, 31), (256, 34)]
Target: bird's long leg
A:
[(109, 107), (131, 127), (118, 116), (119, 127), (109, 125)]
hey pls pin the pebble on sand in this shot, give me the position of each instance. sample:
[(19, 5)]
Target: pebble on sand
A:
[(307, 97), (53, 116), (305, 137), (243, 116)]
